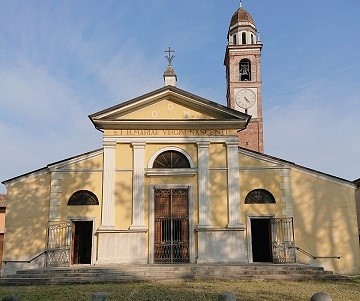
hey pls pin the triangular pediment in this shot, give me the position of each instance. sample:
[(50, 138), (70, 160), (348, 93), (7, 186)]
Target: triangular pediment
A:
[(168, 106)]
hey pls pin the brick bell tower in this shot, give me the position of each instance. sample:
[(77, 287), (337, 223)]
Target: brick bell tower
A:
[(242, 62)]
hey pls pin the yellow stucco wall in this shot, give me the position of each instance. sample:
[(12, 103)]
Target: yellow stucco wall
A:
[(217, 155), (252, 161), (163, 110), (75, 181), (124, 156), (27, 217), (123, 199), (268, 179), (218, 199), (83, 175), (325, 221), (324, 209)]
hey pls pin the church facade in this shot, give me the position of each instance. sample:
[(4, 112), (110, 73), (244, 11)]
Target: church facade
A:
[(181, 179)]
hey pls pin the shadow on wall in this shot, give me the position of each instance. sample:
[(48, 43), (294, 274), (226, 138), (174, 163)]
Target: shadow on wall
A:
[(325, 222), (29, 203)]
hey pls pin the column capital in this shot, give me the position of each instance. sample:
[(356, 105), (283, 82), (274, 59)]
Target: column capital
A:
[(232, 143), (107, 143), (204, 144), (138, 144)]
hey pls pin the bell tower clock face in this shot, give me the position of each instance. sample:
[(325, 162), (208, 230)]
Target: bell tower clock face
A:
[(245, 98), (243, 76)]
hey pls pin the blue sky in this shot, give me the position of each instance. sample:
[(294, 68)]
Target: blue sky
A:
[(63, 60)]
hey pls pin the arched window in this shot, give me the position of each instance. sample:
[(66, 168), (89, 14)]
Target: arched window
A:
[(243, 38), (234, 39), (83, 197), (259, 196), (252, 39), (245, 70), (171, 159)]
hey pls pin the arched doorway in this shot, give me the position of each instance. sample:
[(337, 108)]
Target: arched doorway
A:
[(170, 220), (171, 225)]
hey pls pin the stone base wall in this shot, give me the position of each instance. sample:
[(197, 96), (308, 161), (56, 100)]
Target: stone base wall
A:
[(122, 247), (11, 267), (221, 245)]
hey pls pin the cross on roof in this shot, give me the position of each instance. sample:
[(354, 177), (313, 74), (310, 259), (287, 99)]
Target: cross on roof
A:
[(169, 56)]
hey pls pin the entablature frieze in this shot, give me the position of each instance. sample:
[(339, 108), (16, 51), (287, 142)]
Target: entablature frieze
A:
[(171, 140), (175, 132)]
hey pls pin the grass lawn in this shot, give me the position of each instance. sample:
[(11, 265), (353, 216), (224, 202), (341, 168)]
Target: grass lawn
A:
[(192, 290)]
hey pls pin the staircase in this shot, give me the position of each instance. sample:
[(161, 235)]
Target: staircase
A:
[(158, 272)]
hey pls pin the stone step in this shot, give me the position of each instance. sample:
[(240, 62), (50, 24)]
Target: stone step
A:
[(124, 273)]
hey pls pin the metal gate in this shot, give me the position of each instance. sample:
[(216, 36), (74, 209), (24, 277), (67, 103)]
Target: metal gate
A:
[(283, 246), (171, 225), (58, 247)]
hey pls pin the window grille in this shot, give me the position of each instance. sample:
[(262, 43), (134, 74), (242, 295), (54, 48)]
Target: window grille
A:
[(83, 197), (171, 159), (259, 196)]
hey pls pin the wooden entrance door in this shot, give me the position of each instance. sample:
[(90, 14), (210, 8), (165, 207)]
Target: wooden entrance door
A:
[(82, 242), (171, 225)]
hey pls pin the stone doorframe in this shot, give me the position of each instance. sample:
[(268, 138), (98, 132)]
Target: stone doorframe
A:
[(152, 219), (94, 237), (248, 232)]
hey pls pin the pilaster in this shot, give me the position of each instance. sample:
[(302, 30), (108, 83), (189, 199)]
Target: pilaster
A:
[(286, 196), (233, 177), (107, 214), (138, 186), (55, 195), (203, 183)]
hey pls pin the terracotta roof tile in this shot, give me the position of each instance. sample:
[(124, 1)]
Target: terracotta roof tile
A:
[(241, 15)]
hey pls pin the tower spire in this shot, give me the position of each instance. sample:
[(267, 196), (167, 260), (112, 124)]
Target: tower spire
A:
[(241, 4), (170, 77)]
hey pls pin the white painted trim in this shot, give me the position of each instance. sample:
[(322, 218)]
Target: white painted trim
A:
[(171, 140), (77, 159), (185, 172), (152, 219), (173, 95), (218, 168), (107, 208), (319, 175), (170, 148), (80, 170), (261, 157), (34, 174), (262, 168), (303, 169)]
